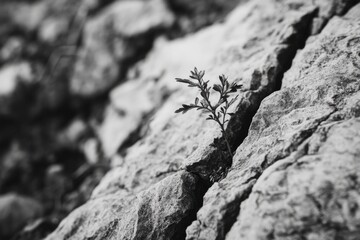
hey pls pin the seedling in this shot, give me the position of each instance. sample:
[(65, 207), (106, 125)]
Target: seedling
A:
[(217, 112)]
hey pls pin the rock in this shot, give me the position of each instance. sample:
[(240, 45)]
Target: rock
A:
[(49, 19), (130, 103), (47, 34), (56, 185), (15, 212), (23, 15), (13, 162), (11, 50), (150, 83), (27, 90), (235, 48), (164, 162), (160, 212), (12, 75), (311, 194), (74, 133), (90, 147), (37, 229), (193, 15), (320, 90), (116, 37)]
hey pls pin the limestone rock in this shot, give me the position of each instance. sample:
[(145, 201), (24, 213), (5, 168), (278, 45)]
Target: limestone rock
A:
[(113, 39), (160, 212), (15, 212), (320, 90)]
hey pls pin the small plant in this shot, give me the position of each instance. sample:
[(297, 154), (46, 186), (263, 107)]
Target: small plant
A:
[(218, 111)]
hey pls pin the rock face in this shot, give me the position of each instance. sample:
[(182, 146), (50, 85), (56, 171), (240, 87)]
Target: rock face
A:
[(302, 127), (255, 46), (294, 130), (156, 213)]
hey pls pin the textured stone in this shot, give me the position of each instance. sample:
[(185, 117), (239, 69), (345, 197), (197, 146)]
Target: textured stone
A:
[(147, 194), (173, 141), (321, 88), (312, 194), (116, 37), (160, 212)]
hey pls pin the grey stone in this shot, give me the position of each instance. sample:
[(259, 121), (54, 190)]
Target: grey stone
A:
[(159, 212), (177, 141), (319, 90), (148, 195), (312, 194)]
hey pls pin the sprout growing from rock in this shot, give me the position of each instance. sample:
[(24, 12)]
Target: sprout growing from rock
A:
[(218, 111)]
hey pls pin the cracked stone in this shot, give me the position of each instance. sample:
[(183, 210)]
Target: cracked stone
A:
[(160, 212), (320, 87)]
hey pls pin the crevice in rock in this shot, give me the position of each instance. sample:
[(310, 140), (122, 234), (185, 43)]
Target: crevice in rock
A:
[(181, 227), (236, 211), (233, 208), (218, 162), (239, 124)]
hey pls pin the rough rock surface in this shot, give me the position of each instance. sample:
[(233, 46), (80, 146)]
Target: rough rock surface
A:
[(160, 212), (173, 141), (54, 145), (306, 126), (247, 53), (242, 51), (294, 172)]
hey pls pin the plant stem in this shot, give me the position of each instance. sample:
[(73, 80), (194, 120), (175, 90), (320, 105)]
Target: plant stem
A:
[(227, 141)]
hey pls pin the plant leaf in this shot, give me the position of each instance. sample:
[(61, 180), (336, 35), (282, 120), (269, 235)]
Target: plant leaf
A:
[(217, 88), (204, 103), (183, 80)]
